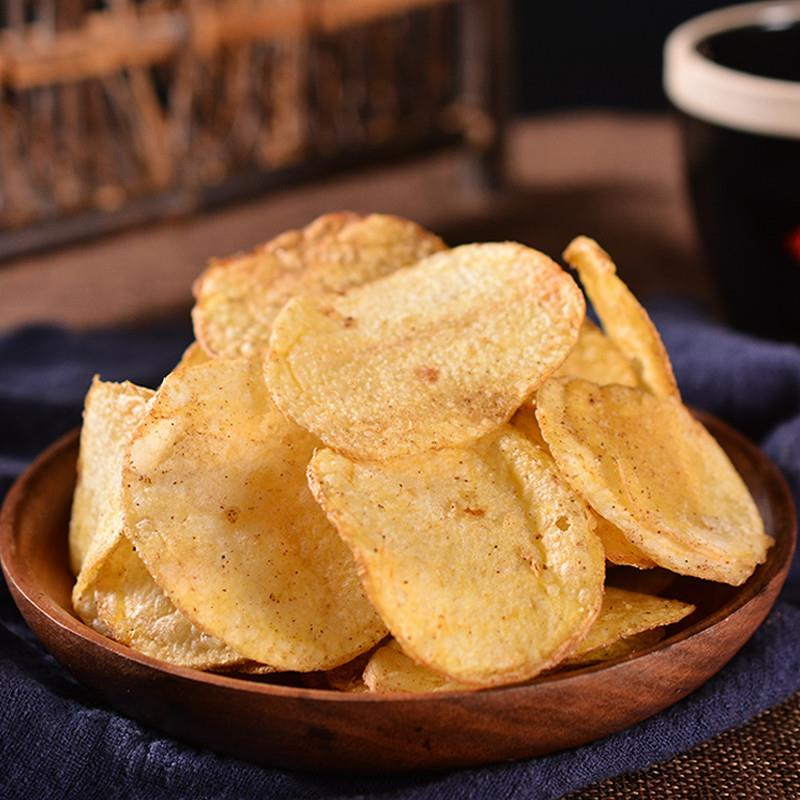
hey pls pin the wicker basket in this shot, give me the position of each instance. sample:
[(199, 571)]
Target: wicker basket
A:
[(120, 112)]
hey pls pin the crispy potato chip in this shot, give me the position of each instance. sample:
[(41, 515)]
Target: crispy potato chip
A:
[(192, 356), (524, 420), (623, 614), (618, 549), (217, 505), (434, 355), (391, 670), (596, 358), (131, 608), (480, 560), (627, 622), (650, 581), (238, 298), (646, 465), (348, 677), (624, 320), (114, 592), (619, 649), (111, 412)]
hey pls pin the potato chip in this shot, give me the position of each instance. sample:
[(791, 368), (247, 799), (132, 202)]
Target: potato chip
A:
[(596, 358), (391, 670), (480, 560), (217, 504), (627, 646), (192, 356), (623, 318), (114, 592), (434, 355), (348, 677), (623, 614), (618, 549), (238, 298), (647, 466), (132, 609), (111, 412), (618, 631), (524, 420), (649, 581)]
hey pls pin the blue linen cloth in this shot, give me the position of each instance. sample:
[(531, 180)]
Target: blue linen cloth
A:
[(58, 740)]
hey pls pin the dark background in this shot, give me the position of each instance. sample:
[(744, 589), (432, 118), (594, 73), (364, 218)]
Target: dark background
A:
[(605, 53)]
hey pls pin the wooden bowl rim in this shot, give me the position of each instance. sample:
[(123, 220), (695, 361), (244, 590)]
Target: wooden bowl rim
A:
[(19, 579)]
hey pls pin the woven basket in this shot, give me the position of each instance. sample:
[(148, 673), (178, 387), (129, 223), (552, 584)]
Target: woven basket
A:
[(145, 109)]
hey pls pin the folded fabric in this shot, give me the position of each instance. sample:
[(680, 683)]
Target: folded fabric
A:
[(57, 740)]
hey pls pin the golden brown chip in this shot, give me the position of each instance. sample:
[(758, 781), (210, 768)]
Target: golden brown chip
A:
[(647, 466), (348, 677), (218, 507), (192, 356), (480, 560), (131, 608), (624, 614), (618, 549), (650, 581), (627, 622), (622, 648), (111, 412), (238, 298), (596, 358), (391, 670), (434, 355), (114, 593), (524, 420), (624, 320)]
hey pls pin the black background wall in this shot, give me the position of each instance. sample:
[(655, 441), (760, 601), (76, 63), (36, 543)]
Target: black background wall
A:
[(600, 53)]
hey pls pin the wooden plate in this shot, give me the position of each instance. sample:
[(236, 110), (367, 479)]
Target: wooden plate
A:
[(326, 730)]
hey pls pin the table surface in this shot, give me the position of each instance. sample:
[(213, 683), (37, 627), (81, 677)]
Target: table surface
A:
[(616, 177)]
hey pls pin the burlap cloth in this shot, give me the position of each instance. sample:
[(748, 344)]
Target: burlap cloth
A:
[(759, 760)]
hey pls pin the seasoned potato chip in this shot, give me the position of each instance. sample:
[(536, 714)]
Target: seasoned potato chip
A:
[(391, 670), (434, 355), (111, 412), (131, 608), (114, 593), (619, 649), (618, 549), (647, 466), (650, 581), (192, 356), (348, 677), (480, 560), (623, 614), (524, 420), (218, 507), (238, 298), (618, 631), (596, 358), (623, 318)]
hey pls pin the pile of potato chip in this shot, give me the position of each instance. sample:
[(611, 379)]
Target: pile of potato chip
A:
[(402, 468)]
